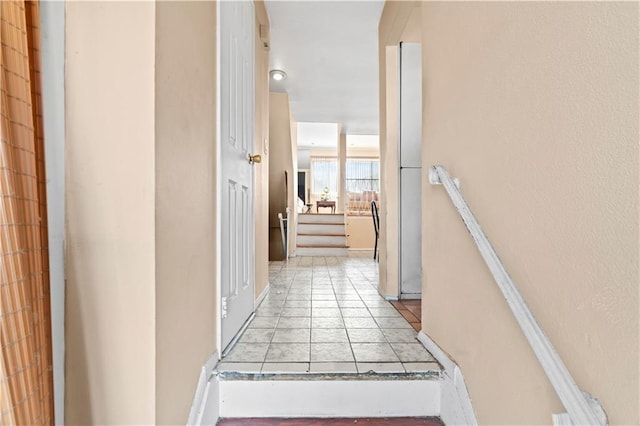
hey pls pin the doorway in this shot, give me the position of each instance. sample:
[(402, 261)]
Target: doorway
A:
[(304, 191)]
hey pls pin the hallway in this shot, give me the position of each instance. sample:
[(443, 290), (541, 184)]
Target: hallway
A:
[(324, 315)]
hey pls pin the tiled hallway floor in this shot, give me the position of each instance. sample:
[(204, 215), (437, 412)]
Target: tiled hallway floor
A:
[(324, 315)]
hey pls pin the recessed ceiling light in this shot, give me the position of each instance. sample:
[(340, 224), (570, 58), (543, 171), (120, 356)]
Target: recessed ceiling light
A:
[(278, 75)]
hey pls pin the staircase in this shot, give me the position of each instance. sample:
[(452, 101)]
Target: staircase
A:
[(321, 235), (237, 395)]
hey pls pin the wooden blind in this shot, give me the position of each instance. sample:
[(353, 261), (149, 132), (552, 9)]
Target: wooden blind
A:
[(26, 380)]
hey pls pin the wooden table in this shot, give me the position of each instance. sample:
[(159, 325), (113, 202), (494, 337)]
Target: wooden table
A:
[(330, 204)]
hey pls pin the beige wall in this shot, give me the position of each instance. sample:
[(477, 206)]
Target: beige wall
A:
[(342, 170), (261, 171), (141, 155), (360, 233), (185, 202), (110, 202), (363, 152), (281, 159), (534, 106)]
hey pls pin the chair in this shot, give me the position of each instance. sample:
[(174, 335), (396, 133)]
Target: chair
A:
[(376, 228)]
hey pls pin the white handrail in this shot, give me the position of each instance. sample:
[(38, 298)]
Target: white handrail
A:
[(581, 407)]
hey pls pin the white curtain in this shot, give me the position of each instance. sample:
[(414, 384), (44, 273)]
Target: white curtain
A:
[(324, 174), (363, 174)]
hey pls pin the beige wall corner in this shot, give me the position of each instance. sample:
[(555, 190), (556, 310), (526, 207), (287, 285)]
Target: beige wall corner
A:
[(261, 171), (393, 22), (534, 106), (361, 235), (110, 213), (281, 160), (185, 160)]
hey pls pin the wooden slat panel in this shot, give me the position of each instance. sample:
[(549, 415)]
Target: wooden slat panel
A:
[(26, 380)]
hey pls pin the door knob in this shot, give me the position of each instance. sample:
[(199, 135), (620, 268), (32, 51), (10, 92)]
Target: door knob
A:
[(255, 158)]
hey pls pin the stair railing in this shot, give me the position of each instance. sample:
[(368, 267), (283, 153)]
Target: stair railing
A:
[(582, 408)]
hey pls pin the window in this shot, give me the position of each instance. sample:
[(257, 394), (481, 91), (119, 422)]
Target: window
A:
[(363, 174), (324, 174), (362, 183)]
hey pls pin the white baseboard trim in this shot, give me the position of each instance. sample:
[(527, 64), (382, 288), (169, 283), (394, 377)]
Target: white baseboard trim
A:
[(261, 297), (455, 404), (329, 398), (203, 391), (440, 355), (211, 409)]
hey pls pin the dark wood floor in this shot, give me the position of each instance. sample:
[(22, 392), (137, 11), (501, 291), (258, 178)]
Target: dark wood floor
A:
[(411, 310), (395, 421)]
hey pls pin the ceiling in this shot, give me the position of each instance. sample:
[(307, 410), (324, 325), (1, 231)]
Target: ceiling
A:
[(317, 135), (325, 136), (329, 50)]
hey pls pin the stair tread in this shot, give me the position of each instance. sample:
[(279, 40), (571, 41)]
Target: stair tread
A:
[(320, 235), (432, 373), (321, 246), (319, 223)]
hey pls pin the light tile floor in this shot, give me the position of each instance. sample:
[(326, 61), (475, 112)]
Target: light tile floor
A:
[(324, 315)]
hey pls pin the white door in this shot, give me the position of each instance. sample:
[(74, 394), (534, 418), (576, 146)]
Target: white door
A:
[(410, 170), (236, 86)]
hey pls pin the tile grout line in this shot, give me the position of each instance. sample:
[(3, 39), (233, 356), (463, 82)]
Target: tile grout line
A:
[(275, 327)]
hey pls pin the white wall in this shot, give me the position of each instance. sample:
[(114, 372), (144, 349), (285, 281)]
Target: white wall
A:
[(304, 158)]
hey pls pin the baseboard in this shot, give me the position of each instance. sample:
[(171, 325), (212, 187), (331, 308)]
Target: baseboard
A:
[(211, 409), (261, 297), (203, 391), (435, 350), (386, 297), (455, 404)]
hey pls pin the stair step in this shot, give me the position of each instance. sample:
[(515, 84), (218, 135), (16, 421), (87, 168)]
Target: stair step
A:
[(315, 240), (321, 228), (322, 246), (348, 421), (313, 234), (321, 218), (296, 396), (322, 251)]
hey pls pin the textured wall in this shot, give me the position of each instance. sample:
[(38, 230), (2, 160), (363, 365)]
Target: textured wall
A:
[(360, 232), (110, 257), (534, 106), (185, 159)]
